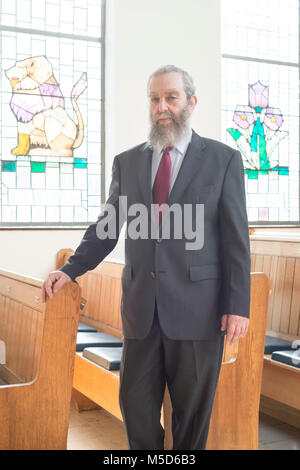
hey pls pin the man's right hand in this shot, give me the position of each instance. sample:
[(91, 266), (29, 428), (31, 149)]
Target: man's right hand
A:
[(54, 281)]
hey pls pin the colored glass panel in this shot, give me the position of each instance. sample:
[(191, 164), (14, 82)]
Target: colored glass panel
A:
[(8, 166), (80, 163), (260, 110), (38, 167), (57, 176)]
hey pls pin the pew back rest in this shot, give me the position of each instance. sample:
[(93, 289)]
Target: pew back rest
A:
[(234, 422), (279, 258), (102, 288), (21, 326), (35, 415)]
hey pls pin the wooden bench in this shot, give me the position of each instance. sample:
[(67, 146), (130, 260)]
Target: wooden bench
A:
[(37, 361), (102, 290), (235, 415), (94, 385), (276, 252)]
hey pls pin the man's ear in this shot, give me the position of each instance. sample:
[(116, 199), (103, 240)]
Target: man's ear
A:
[(193, 101)]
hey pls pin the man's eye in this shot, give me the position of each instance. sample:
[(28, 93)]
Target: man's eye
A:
[(172, 97), (154, 100)]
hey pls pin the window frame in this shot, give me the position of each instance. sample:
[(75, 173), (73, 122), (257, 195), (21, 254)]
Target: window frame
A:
[(264, 223), (101, 39)]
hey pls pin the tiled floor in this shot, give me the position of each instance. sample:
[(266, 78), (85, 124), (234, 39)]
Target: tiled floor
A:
[(274, 434), (97, 430)]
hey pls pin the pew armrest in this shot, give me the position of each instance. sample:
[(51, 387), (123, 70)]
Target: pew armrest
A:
[(2, 352), (230, 352)]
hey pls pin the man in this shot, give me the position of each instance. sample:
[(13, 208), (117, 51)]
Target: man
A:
[(178, 299)]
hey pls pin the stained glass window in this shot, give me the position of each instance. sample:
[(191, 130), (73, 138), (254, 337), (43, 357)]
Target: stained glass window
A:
[(260, 103), (51, 111)]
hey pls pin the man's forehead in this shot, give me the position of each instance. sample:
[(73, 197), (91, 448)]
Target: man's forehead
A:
[(166, 91), (166, 83)]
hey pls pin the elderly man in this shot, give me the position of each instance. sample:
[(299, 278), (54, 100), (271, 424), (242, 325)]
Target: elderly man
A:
[(179, 299)]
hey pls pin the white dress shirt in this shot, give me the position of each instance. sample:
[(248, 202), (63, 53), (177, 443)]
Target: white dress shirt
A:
[(177, 154)]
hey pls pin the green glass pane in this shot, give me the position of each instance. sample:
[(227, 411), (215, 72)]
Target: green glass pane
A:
[(80, 163), (252, 174), (283, 170), (235, 133), (38, 167), (8, 165)]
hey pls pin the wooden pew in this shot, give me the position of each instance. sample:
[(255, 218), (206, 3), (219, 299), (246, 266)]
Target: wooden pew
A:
[(276, 252), (235, 414), (102, 290), (37, 362), (94, 385)]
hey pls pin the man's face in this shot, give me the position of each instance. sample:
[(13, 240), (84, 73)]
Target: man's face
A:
[(169, 107)]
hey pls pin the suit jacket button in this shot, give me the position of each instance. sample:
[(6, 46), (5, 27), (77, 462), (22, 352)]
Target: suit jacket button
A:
[(152, 274)]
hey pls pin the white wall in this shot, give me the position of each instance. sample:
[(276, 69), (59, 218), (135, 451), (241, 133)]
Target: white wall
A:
[(32, 252), (152, 33), (142, 35)]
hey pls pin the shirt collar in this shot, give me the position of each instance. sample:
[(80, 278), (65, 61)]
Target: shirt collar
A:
[(183, 143)]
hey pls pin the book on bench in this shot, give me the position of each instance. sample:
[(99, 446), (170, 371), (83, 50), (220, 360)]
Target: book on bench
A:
[(85, 340), (109, 358), (276, 344), (290, 357), (83, 328)]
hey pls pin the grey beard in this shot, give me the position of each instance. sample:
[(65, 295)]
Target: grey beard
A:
[(169, 135)]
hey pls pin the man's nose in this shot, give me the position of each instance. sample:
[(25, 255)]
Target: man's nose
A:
[(162, 105)]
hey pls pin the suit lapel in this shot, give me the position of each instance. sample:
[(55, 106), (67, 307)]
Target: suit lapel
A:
[(144, 174), (189, 167)]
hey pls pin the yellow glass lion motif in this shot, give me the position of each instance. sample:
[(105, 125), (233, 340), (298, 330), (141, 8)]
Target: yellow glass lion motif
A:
[(44, 126)]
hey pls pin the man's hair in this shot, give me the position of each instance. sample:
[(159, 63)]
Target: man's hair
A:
[(188, 83)]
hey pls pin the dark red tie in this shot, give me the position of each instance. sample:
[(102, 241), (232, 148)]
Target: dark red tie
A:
[(160, 190)]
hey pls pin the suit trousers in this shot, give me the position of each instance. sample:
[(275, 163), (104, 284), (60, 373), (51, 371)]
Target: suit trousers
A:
[(189, 368)]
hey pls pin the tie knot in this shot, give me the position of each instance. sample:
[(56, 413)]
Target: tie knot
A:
[(167, 150)]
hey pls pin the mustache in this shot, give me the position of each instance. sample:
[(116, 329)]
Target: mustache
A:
[(164, 115), (168, 135)]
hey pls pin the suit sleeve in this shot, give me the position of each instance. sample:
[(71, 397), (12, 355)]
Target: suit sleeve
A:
[(235, 246), (94, 248)]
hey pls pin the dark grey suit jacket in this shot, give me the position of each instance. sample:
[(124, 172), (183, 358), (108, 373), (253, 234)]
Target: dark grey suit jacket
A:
[(192, 288)]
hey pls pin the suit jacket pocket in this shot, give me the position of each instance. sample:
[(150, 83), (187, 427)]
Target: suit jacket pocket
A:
[(127, 272), (208, 271)]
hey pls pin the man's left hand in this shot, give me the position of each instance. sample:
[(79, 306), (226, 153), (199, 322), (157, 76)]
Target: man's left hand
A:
[(236, 326)]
